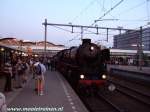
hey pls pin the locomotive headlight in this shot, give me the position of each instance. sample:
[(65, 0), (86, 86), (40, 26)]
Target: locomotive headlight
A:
[(104, 76), (81, 76), (92, 48)]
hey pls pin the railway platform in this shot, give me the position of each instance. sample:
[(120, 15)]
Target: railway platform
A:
[(58, 96), (145, 70)]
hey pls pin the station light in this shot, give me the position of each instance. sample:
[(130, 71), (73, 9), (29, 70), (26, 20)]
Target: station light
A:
[(2, 49), (24, 54), (36, 55)]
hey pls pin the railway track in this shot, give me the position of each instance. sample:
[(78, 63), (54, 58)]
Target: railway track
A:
[(134, 85), (126, 102), (132, 92), (126, 98), (130, 96), (134, 77), (98, 103)]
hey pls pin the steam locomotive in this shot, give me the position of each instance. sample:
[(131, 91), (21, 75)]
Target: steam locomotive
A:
[(83, 66)]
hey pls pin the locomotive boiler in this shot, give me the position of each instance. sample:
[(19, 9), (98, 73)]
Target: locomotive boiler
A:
[(84, 66)]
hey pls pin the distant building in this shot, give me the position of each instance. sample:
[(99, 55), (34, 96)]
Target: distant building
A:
[(130, 39), (146, 39)]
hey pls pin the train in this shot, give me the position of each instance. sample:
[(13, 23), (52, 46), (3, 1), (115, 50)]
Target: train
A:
[(85, 66)]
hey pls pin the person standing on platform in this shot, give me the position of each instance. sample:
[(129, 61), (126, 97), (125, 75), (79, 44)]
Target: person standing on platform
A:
[(19, 75), (48, 63), (25, 70), (39, 70), (31, 63), (8, 73)]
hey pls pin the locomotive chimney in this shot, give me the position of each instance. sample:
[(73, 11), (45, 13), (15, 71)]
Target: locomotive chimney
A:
[(86, 41)]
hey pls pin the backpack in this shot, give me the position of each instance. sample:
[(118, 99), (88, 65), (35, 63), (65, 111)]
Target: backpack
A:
[(38, 70)]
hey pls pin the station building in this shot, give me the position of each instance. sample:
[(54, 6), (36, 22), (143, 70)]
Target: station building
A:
[(32, 48)]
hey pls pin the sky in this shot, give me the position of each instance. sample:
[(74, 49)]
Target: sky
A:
[(23, 18)]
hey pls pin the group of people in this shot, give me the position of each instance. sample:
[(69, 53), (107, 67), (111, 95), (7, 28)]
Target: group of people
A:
[(19, 70), (49, 63), (15, 69)]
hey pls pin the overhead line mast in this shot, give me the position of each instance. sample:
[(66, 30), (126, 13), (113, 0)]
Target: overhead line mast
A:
[(45, 36)]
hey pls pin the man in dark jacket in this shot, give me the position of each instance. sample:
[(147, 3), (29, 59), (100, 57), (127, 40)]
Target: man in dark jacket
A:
[(8, 75)]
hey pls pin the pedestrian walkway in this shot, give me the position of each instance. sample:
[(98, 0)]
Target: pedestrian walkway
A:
[(57, 95), (130, 68)]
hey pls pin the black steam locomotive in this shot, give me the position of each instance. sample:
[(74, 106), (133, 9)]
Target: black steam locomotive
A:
[(83, 66)]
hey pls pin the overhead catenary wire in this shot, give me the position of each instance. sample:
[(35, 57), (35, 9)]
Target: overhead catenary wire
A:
[(102, 15), (112, 8), (90, 32), (101, 33), (131, 9), (140, 20), (86, 8), (93, 24), (105, 9), (69, 32), (103, 4), (62, 29), (125, 20)]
